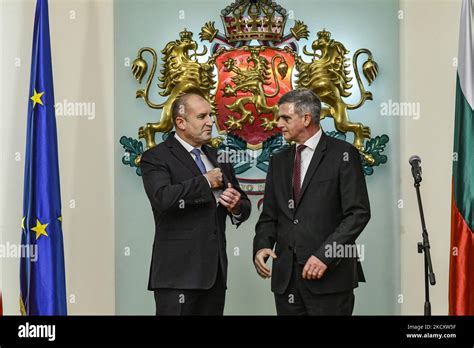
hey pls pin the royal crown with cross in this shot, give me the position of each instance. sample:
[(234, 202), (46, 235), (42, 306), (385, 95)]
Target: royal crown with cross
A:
[(254, 20)]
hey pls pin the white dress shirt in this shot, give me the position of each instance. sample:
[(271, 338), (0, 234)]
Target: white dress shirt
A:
[(308, 152), (209, 166)]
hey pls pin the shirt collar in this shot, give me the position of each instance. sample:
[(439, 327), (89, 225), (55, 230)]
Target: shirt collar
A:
[(314, 140), (186, 145)]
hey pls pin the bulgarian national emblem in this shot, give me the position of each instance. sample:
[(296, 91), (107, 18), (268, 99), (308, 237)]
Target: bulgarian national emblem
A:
[(243, 72)]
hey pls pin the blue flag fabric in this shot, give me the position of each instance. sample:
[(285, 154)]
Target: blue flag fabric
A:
[(42, 276)]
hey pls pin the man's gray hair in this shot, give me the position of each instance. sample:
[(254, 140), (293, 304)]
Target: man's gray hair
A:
[(304, 101)]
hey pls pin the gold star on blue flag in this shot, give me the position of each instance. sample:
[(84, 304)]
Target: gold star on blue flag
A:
[(42, 280), (36, 97), (40, 229)]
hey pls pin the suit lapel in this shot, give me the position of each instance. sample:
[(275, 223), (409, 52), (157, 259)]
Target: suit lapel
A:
[(315, 161), (211, 155), (181, 154), (288, 174)]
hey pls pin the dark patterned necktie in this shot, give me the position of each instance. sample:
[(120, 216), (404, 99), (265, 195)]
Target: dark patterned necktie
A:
[(297, 173)]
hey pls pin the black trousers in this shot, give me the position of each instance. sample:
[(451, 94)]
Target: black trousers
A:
[(299, 300), (192, 302)]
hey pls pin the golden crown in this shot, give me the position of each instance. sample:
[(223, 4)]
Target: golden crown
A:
[(254, 20), (186, 35), (326, 35)]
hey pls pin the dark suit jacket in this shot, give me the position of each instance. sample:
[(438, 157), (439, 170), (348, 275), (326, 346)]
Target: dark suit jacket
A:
[(333, 208), (189, 227)]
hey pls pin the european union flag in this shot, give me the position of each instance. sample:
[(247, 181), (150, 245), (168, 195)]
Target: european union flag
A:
[(42, 277)]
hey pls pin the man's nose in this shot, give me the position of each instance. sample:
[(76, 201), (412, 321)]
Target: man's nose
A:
[(280, 123)]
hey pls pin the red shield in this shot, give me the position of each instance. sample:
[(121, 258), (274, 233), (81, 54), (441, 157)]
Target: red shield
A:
[(251, 80)]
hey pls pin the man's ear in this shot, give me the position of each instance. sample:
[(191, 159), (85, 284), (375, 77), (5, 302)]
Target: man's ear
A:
[(307, 119), (180, 123)]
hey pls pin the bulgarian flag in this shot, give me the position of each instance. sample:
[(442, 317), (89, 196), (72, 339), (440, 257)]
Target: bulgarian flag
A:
[(461, 272)]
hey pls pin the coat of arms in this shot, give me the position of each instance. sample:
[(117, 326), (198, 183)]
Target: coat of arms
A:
[(249, 66)]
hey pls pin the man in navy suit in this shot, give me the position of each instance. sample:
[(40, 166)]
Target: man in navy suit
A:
[(315, 202), (191, 194)]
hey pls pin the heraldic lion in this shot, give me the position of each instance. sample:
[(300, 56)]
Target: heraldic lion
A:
[(327, 76), (180, 74)]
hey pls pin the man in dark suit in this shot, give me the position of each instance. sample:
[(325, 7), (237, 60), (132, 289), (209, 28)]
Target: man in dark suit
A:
[(191, 193), (315, 206)]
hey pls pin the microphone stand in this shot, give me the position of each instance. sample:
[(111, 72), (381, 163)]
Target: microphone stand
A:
[(424, 246)]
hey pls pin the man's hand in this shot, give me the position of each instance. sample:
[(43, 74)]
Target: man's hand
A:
[(260, 258), (314, 268), (214, 177), (230, 199)]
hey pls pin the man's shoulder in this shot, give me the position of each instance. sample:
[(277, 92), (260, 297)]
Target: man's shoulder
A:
[(338, 145), (210, 149), (155, 152), (281, 154)]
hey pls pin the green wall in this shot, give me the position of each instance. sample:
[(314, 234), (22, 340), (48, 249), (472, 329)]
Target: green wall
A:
[(362, 23)]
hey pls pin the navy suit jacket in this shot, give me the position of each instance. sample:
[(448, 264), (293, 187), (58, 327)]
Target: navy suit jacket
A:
[(332, 211), (190, 238)]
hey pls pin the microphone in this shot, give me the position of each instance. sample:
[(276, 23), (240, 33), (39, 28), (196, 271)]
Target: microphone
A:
[(415, 162)]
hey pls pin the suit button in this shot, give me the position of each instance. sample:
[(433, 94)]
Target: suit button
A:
[(289, 247), (296, 221), (215, 232)]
